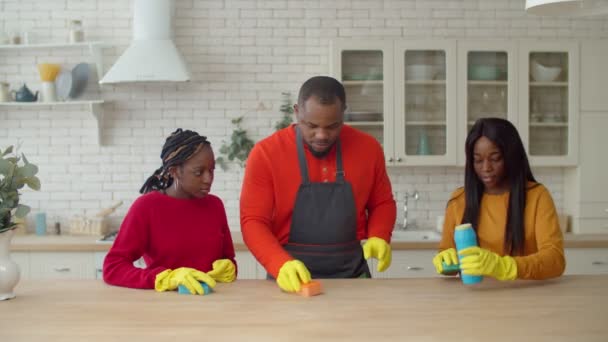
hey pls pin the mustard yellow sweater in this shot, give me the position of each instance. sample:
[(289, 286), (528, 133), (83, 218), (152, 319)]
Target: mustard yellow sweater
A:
[(543, 248)]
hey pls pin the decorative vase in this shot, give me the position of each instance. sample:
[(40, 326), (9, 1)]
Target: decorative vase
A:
[(49, 92), (9, 270), (423, 145)]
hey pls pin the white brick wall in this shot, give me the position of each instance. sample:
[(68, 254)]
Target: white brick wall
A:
[(242, 55)]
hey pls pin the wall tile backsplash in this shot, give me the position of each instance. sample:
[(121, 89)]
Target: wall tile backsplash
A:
[(242, 56)]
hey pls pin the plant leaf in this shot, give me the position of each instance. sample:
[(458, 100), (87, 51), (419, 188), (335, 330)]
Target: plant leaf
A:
[(5, 166), (33, 183), (27, 170), (22, 210), (8, 150)]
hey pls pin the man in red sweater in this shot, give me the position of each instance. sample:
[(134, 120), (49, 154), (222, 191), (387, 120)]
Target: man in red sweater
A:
[(313, 190)]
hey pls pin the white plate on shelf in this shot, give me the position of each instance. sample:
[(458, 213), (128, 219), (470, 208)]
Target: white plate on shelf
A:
[(80, 78), (63, 83)]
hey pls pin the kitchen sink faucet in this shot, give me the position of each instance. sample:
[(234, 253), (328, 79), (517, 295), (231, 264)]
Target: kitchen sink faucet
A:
[(414, 196)]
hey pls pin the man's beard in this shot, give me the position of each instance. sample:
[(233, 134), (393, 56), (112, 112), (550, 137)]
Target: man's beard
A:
[(319, 155)]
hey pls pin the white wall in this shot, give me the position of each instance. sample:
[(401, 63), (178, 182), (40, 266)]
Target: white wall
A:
[(242, 54)]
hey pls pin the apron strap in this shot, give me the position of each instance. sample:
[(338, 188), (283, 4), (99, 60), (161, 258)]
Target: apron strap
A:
[(301, 156), (302, 159), (339, 167)]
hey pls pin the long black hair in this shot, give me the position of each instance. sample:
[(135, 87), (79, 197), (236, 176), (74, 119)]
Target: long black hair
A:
[(517, 173), (178, 147)]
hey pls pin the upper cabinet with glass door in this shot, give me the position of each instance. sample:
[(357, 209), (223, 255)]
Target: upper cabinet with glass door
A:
[(425, 111), (365, 68), (487, 73), (548, 105)]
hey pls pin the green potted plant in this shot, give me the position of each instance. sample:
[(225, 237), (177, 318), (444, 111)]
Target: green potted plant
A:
[(238, 148), (15, 173), (287, 110)]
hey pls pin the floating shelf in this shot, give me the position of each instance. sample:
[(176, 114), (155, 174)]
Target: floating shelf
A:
[(364, 123), (94, 48), (360, 83), (95, 107), (548, 124), (488, 83), (425, 82), (548, 84), (47, 46), (425, 123)]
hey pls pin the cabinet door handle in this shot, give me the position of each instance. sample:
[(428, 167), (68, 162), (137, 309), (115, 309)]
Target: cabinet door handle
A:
[(61, 269), (399, 159), (597, 263), (390, 159), (415, 268)]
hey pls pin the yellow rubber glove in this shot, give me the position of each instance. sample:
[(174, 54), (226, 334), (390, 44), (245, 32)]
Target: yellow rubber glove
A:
[(169, 280), (223, 271), (447, 256), (292, 275), (479, 261), (378, 248)]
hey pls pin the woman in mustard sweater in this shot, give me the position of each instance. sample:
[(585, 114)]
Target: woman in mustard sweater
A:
[(513, 215)]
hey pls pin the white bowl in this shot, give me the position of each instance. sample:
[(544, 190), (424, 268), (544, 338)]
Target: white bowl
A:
[(419, 72), (543, 73)]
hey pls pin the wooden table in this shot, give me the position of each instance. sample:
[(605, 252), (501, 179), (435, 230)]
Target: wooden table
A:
[(430, 309)]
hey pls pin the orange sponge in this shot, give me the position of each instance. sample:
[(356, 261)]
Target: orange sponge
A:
[(313, 288)]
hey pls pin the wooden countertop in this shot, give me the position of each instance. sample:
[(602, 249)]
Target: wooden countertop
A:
[(430, 309), (74, 243)]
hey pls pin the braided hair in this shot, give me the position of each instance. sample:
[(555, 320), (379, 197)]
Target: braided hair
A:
[(180, 146)]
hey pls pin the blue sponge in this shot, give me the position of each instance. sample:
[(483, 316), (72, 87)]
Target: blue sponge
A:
[(450, 268), (184, 290)]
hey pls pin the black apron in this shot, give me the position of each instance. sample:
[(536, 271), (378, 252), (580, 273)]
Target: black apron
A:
[(323, 231)]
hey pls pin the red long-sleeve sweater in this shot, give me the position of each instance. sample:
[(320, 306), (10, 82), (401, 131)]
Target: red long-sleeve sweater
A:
[(169, 233), (272, 178)]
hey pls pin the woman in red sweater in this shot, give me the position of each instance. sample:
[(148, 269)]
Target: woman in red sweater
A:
[(179, 229)]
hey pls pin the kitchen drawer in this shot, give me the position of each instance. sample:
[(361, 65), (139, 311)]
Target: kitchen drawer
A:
[(586, 261), (592, 225), (594, 210), (408, 264), (64, 265), (247, 265)]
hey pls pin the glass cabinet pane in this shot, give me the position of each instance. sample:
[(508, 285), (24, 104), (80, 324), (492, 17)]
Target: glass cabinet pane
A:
[(487, 85), (363, 80), (425, 102), (548, 109)]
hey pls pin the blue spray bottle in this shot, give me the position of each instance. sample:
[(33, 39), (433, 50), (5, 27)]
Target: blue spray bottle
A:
[(464, 236)]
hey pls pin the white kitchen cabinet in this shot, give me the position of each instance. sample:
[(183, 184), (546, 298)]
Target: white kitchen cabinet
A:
[(421, 102), (586, 261), (402, 93), (487, 74), (365, 68), (548, 102), (408, 264), (425, 97), (249, 268), (62, 265), (586, 193), (594, 73)]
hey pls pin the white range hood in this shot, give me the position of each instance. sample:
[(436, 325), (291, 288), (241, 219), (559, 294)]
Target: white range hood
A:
[(567, 8), (152, 55)]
